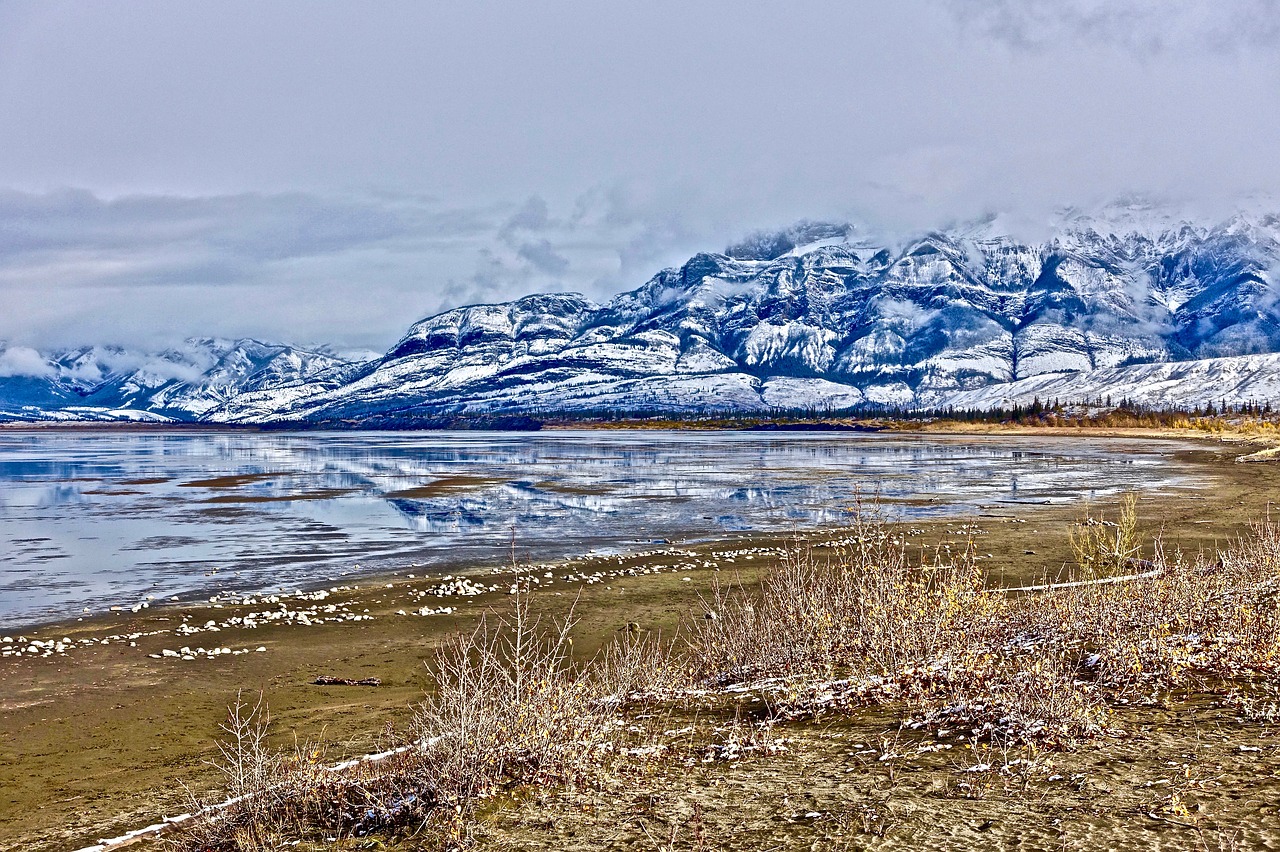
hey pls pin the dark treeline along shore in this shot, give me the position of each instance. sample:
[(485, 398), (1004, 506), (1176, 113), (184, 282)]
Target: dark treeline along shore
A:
[(1100, 412)]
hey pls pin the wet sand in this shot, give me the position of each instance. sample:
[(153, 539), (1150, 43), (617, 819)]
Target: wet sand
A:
[(99, 739)]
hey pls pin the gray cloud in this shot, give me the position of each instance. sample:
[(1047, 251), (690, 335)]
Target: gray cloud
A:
[(544, 258), (1145, 26), (531, 216), (77, 268), (332, 172)]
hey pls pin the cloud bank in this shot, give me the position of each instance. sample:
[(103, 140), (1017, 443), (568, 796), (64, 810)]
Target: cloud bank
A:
[(80, 269), (332, 172), (24, 361)]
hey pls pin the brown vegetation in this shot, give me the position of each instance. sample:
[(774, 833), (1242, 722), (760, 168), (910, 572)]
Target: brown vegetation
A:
[(827, 633)]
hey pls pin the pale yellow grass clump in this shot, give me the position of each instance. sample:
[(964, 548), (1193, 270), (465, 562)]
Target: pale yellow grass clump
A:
[(1108, 549), (864, 609)]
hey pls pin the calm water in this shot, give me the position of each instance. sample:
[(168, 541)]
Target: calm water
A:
[(92, 520)]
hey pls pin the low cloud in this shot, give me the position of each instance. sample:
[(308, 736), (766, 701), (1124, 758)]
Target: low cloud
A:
[(177, 368), (24, 361), (905, 313), (78, 269)]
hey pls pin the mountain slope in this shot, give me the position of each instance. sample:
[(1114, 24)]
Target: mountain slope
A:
[(1231, 381), (837, 322), (182, 383)]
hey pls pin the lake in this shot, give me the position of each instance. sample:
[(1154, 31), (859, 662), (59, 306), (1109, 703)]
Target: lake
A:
[(91, 520)]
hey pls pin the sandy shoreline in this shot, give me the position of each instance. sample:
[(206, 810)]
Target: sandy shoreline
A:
[(94, 739)]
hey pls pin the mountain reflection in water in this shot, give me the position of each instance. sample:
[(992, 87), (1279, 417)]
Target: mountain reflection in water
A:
[(91, 520)]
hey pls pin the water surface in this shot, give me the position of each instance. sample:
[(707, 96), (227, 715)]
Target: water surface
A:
[(100, 519)]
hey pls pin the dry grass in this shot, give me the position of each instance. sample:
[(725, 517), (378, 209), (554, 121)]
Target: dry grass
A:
[(864, 609), (1011, 677), (1198, 620), (870, 626), (509, 709)]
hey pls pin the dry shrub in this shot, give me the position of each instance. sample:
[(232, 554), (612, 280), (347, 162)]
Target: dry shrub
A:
[(1031, 699), (1104, 548), (639, 668), (278, 794), (866, 626), (248, 765), (1196, 620), (509, 708), (862, 608)]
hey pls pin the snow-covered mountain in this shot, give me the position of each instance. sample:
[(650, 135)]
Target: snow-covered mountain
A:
[(824, 317), (1132, 302), (181, 383)]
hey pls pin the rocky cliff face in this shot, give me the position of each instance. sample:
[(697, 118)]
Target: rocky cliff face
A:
[(816, 317)]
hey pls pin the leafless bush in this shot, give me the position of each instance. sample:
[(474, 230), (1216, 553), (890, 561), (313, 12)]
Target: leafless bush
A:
[(509, 708), (277, 794), (1194, 621), (1026, 699), (639, 667), (246, 762), (867, 626)]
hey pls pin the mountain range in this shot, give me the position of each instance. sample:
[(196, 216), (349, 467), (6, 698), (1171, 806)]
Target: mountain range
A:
[(1131, 302)]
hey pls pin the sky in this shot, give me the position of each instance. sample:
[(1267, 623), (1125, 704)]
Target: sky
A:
[(330, 172)]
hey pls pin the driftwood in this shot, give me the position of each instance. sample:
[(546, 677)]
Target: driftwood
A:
[(326, 680), (175, 823), (1150, 569)]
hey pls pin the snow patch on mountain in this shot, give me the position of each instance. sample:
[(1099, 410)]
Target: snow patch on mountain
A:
[(1232, 381)]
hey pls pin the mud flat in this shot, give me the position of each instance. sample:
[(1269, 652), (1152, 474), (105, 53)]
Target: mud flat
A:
[(103, 721)]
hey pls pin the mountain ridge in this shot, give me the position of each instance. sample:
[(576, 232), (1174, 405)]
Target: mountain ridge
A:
[(818, 316)]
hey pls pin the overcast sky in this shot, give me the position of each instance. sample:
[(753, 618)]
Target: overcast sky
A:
[(331, 172)]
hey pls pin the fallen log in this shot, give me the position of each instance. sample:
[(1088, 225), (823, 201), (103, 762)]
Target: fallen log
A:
[(1099, 581)]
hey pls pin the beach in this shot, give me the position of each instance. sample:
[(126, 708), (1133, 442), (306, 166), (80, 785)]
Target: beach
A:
[(106, 736)]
